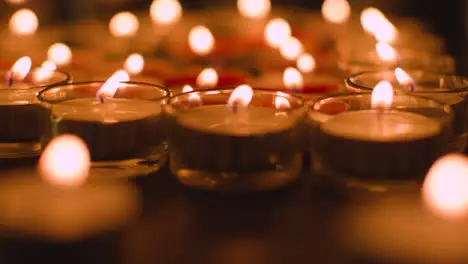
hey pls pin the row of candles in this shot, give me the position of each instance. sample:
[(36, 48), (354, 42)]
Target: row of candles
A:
[(237, 139)]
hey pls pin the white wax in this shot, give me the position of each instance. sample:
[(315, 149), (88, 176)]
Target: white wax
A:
[(220, 119), (111, 111), (32, 207), (390, 126)]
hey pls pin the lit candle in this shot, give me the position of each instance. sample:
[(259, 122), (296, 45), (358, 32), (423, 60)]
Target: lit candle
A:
[(380, 142), (235, 140), (64, 207), (120, 122)]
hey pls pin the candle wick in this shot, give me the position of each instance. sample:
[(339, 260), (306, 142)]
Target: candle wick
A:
[(235, 107), (9, 79), (101, 99)]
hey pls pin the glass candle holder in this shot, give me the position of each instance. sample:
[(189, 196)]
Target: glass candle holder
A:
[(353, 143), (19, 112), (355, 62), (214, 146), (445, 88), (126, 134)]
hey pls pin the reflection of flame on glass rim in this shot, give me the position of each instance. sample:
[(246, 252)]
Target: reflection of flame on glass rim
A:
[(201, 40), (281, 103), (336, 11), (165, 11), (277, 32)]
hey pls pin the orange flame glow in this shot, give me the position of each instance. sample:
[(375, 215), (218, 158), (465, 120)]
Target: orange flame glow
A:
[(201, 40), (374, 22), (21, 68), (60, 54), (293, 79), (23, 22), (124, 24), (385, 52), (254, 9), (382, 96), (306, 63), (336, 11), (403, 77), (281, 102), (208, 78), (291, 49), (277, 32), (110, 87), (241, 96)]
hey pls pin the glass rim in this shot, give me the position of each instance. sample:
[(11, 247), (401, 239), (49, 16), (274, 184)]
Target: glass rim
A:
[(351, 83), (67, 78), (40, 94)]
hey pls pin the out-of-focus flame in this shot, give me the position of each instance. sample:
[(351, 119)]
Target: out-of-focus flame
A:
[(110, 87), (385, 52), (208, 78), (134, 64), (23, 22), (193, 98), (254, 8), (241, 96), (402, 77), (374, 22), (201, 40), (60, 54), (165, 11), (281, 102), (65, 162), (49, 65), (187, 89), (293, 79), (382, 96), (445, 189), (277, 32), (291, 49), (15, 2), (336, 11), (41, 74), (21, 68), (306, 63), (124, 24)]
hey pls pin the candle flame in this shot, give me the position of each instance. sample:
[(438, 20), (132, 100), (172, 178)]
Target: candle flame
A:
[(403, 77), (124, 24), (382, 96), (336, 11), (49, 65), (281, 102), (291, 49), (165, 11), (65, 162), (241, 96), (60, 54), (292, 79), (21, 68), (110, 87), (41, 74), (277, 32), (201, 40), (306, 63), (374, 22), (208, 78), (187, 89), (254, 9), (385, 52), (134, 64), (445, 189), (24, 22)]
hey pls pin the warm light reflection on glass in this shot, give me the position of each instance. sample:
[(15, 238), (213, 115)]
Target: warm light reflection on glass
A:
[(208, 78), (385, 52), (23, 22), (241, 96), (201, 41), (291, 49), (165, 11), (445, 189), (65, 162), (134, 64), (254, 8), (374, 22), (110, 87), (306, 63), (336, 11), (60, 54), (277, 32), (124, 24), (293, 79), (382, 96), (281, 103)]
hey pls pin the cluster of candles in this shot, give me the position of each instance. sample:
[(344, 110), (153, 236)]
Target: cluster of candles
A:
[(227, 131)]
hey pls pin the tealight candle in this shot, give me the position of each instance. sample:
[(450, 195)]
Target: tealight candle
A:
[(121, 123), (19, 109), (445, 88), (235, 140), (378, 137), (63, 207)]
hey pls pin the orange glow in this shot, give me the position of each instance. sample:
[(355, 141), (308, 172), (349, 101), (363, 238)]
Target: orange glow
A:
[(201, 40), (193, 97), (134, 64), (242, 96), (382, 96), (208, 78), (292, 79), (403, 77), (281, 103), (386, 52), (336, 11), (291, 49), (277, 32), (41, 74), (165, 11), (110, 87), (65, 162), (24, 22), (49, 65), (254, 9), (445, 189), (124, 24), (60, 54), (374, 22), (21, 68), (306, 63)]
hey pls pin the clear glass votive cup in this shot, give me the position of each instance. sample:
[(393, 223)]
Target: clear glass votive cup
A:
[(449, 89), (360, 61), (355, 145), (126, 134), (19, 112), (256, 148)]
